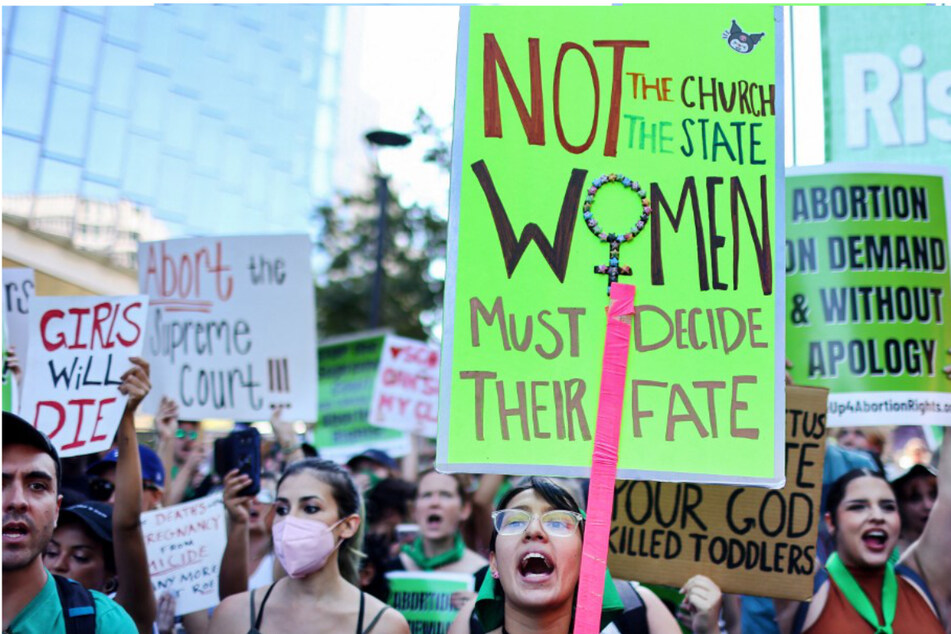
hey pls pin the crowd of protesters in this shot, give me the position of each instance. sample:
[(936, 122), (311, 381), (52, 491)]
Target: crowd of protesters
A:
[(310, 551)]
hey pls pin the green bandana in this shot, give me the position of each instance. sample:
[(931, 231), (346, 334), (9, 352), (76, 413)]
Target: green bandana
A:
[(856, 597), (490, 603), (415, 552)]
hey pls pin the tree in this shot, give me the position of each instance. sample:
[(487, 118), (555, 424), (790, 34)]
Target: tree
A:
[(415, 239)]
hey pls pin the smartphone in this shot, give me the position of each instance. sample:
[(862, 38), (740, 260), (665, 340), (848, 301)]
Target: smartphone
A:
[(241, 450)]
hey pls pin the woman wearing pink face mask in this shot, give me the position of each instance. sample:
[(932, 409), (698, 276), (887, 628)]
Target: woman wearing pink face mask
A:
[(317, 530)]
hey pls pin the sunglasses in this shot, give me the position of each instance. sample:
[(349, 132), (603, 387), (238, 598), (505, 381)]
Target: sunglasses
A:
[(559, 523), (191, 435), (101, 490)]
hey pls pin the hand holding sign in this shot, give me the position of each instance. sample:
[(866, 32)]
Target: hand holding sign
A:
[(700, 610), (166, 418), (135, 383), (80, 346)]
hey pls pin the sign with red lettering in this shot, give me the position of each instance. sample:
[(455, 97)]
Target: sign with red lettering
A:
[(231, 326), (591, 148), (185, 544), (81, 346), (406, 391)]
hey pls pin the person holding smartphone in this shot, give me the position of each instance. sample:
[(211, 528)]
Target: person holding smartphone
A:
[(317, 531)]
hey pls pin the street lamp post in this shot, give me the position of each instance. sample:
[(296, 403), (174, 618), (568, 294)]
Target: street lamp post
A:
[(378, 139)]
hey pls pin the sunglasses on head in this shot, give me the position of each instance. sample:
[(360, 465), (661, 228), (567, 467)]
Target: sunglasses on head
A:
[(191, 435)]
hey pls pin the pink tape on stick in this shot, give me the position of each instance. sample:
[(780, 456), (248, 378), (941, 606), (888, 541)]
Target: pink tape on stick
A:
[(594, 552)]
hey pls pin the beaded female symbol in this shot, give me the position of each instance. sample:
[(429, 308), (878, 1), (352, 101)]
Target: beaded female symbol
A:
[(613, 269)]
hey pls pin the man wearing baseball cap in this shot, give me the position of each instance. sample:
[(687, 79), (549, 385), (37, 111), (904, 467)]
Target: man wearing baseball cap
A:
[(33, 600), (102, 474)]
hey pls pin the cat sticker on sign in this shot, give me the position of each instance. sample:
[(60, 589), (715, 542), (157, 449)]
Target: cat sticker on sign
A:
[(739, 40)]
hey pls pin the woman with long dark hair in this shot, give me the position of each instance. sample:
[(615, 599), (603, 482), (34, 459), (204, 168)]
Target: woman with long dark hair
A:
[(865, 591), (317, 531)]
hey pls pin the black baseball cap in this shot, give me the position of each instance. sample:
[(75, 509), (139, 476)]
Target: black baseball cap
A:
[(97, 516), (17, 431)]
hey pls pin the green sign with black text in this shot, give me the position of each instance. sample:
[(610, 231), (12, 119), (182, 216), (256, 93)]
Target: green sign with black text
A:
[(628, 143), (868, 291), (346, 370)]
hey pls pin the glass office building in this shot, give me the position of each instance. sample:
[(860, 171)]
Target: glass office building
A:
[(216, 119)]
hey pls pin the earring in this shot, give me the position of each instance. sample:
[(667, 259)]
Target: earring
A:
[(495, 574)]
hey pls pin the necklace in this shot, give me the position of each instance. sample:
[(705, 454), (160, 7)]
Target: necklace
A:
[(613, 268)]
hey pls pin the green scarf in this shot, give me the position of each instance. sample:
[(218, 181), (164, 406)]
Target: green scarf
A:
[(856, 597), (415, 552), (490, 602)]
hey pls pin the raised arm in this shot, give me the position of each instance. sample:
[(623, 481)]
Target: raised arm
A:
[(233, 573), (176, 490), (132, 564), (286, 437), (166, 422), (930, 556)]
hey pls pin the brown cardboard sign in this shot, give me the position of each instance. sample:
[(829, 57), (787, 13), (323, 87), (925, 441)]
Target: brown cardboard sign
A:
[(748, 540)]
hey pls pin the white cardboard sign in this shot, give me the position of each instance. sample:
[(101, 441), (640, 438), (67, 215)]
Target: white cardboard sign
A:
[(81, 346), (18, 288), (406, 391), (185, 544), (232, 329)]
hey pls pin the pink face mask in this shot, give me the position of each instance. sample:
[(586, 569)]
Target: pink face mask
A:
[(303, 546)]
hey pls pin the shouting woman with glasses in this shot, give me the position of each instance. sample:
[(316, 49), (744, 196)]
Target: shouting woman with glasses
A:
[(534, 563)]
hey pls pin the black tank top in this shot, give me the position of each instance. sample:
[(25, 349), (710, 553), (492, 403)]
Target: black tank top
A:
[(256, 622)]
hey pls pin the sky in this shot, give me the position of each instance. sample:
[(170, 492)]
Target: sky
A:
[(419, 67)]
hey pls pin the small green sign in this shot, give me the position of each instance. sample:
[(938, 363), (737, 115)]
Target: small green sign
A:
[(346, 369), (425, 598)]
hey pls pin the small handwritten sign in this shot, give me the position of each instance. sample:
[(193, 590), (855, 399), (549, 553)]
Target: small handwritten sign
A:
[(81, 346), (185, 544), (407, 387)]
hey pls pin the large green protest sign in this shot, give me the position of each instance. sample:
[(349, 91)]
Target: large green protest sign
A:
[(425, 598), (867, 287), (347, 368), (887, 77), (571, 123)]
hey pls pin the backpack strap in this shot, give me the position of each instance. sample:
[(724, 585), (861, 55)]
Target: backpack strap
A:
[(634, 617), (79, 607)]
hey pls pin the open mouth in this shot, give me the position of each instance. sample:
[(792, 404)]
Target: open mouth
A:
[(535, 565), (433, 520), (875, 539), (15, 531), (253, 514)]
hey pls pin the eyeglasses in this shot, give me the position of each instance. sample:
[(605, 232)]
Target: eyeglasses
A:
[(560, 523), (100, 489), (181, 433)]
